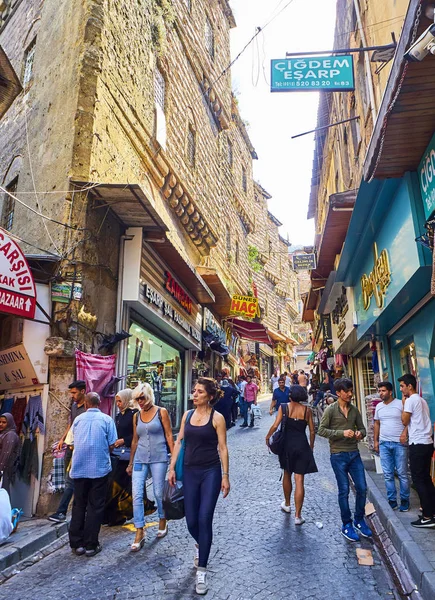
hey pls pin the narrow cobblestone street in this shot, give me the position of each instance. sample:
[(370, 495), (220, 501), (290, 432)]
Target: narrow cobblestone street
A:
[(258, 552)]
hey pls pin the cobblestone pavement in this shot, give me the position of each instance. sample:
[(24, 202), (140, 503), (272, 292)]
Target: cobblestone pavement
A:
[(258, 552)]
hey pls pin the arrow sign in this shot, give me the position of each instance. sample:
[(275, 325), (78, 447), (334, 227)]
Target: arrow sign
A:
[(17, 286)]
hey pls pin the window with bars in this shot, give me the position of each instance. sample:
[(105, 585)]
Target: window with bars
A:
[(209, 37), (9, 205), (244, 180), (159, 89), (29, 58), (230, 155), (191, 146)]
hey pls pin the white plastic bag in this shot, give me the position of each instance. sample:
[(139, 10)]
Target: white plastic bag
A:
[(5, 516)]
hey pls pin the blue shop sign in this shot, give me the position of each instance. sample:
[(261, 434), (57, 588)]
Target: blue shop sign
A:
[(391, 264), (426, 176)]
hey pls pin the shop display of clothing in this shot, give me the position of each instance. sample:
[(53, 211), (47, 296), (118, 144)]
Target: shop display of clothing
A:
[(7, 405), (33, 417), (29, 460), (18, 411), (97, 371)]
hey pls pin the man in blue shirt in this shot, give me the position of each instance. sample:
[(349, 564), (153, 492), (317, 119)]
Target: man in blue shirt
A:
[(94, 436), (280, 395)]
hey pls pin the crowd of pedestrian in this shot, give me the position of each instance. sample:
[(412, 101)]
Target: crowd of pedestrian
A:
[(108, 461)]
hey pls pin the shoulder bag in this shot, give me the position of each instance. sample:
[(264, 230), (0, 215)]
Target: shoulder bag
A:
[(179, 465), (277, 439)]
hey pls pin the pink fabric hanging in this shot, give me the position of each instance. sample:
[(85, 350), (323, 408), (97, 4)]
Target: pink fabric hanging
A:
[(97, 371)]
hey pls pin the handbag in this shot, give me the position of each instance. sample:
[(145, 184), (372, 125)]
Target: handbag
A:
[(122, 452), (173, 501), (179, 465), (277, 439)]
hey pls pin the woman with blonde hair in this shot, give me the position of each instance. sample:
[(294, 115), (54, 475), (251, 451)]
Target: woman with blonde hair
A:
[(119, 506), (152, 439)]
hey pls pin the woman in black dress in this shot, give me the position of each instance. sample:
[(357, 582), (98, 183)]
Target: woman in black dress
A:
[(119, 506), (298, 456)]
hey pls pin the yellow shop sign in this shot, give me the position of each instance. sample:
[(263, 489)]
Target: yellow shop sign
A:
[(377, 282), (245, 306)]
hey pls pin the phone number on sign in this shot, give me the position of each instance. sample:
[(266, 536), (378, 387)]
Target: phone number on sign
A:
[(311, 84)]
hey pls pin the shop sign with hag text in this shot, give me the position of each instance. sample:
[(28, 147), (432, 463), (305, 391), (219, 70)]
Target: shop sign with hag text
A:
[(304, 262), (245, 306), (17, 287), (312, 73), (426, 175)]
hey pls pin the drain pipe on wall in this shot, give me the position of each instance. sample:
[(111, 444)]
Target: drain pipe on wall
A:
[(369, 75)]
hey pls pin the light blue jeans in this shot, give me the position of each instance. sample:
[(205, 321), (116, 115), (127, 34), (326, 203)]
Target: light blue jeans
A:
[(139, 477), (394, 456)]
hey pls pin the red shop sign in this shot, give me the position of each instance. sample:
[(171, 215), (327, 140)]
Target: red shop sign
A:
[(17, 287), (178, 293)]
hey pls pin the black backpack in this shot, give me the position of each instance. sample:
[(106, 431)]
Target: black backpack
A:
[(277, 439)]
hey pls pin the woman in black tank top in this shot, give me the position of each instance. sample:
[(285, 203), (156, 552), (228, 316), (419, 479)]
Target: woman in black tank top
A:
[(204, 433)]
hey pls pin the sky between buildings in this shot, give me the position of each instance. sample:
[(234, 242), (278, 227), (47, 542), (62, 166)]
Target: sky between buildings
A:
[(284, 166)]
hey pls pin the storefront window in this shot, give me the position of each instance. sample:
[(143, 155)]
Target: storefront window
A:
[(408, 360), (152, 360)]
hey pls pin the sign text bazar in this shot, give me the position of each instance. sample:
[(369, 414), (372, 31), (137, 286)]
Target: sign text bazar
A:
[(17, 288), (326, 73)]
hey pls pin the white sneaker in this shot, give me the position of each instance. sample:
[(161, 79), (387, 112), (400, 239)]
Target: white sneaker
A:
[(285, 508), (201, 582), (299, 520), (196, 558)]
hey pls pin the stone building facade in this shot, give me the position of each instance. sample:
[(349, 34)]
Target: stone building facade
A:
[(126, 144)]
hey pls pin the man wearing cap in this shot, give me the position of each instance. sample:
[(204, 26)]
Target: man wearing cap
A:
[(78, 393)]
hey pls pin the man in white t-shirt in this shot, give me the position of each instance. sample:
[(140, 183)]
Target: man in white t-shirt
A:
[(390, 440), (417, 417)]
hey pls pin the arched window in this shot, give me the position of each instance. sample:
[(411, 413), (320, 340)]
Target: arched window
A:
[(209, 37)]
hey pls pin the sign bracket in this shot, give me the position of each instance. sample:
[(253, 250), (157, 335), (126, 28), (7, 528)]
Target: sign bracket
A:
[(391, 46)]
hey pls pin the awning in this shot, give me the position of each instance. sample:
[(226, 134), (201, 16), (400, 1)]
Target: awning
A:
[(216, 284), (186, 273), (129, 203), (10, 85), (248, 330), (340, 207), (43, 266), (324, 307), (276, 337), (406, 119)]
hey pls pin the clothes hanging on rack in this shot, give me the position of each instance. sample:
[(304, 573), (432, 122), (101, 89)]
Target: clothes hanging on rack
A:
[(18, 411), (7, 405), (29, 460), (33, 417)]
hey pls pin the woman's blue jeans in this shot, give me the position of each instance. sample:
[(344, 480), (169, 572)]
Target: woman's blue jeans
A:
[(345, 464), (139, 477), (394, 456)]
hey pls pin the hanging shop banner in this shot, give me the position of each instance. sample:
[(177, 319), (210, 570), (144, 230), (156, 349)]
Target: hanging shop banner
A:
[(245, 306), (304, 262), (312, 73), (65, 292), (16, 368), (17, 287), (426, 175)]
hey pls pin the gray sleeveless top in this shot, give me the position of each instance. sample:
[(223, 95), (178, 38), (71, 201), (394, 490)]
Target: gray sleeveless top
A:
[(151, 447)]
